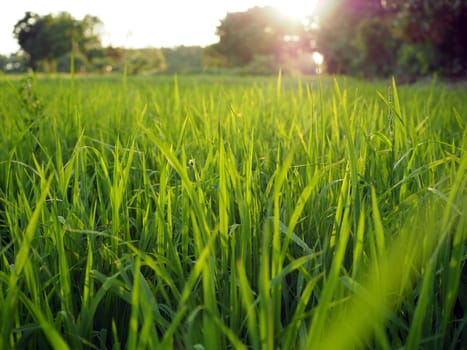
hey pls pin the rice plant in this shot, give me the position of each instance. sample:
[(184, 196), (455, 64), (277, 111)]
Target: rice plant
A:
[(225, 212)]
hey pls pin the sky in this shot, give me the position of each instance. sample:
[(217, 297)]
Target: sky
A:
[(144, 23)]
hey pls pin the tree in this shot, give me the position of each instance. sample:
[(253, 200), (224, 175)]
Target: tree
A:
[(371, 36), (258, 31), (213, 58), (3, 62), (148, 60), (30, 33), (46, 38), (377, 48), (436, 24), (89, 33), (341, 36)]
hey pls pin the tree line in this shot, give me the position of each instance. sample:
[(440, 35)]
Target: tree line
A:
[(369, 38), (53, 43), (408, 37)]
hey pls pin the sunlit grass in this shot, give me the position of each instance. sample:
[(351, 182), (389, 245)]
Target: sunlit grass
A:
[(215, 213)]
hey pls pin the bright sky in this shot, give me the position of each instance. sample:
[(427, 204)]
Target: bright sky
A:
[(142, 23)]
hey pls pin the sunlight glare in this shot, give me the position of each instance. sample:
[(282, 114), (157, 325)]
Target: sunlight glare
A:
[(297, 9), (317, 58)]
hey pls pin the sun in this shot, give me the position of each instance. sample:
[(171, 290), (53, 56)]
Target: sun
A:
[(297, 9)]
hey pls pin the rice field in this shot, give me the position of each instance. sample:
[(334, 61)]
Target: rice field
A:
[(232, 213)]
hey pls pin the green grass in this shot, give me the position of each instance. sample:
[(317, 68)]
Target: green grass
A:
[(217, 213)]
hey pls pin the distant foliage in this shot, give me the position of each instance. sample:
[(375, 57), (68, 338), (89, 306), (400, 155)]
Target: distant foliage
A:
[(44, 39), (377, 38), (354, 38), (439, 24), (14, 63), (377, 49), (364, 38), (257, 32), (148, 60), (417, 59), (183, 59)]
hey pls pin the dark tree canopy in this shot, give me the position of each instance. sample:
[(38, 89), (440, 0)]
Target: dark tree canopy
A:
[(30, 33), (343, 37), (439, 24), (378, 38)]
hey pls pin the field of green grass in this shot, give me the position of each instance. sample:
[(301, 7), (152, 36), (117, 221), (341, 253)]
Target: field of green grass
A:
[(232, 213)]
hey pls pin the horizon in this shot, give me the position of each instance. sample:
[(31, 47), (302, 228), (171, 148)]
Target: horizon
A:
[(142, 25)]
